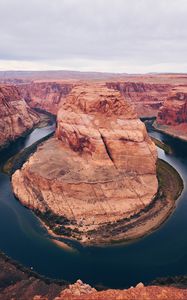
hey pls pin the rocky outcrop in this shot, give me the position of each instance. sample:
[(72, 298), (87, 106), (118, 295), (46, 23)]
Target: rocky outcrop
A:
[(172, 117), (16, 117), (81, 291), (45, 95), (147, 97), (98, 171)]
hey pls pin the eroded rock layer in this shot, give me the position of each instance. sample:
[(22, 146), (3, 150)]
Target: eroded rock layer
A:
[(147, 97), (98, 170), (16, 117), (45, 95), (172, 117)]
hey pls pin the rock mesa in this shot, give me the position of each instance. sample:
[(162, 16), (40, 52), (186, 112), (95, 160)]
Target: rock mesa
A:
[(97, 171)]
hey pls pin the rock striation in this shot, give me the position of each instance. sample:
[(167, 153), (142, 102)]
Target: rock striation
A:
[(147, 97), (16, 117), (45, 95), (97, 172), (172, 117)]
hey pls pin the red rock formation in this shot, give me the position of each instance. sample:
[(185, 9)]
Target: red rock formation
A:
[(172, 117), (16, 117), (81, 291), (174, 111), (45, 95), (97, 171), (148, 98)]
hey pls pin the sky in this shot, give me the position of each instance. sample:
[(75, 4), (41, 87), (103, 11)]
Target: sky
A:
[(130, 36)]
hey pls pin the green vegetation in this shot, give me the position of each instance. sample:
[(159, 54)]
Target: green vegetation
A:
[(176, 281), (170, 188), (162, 145), (170, 182)]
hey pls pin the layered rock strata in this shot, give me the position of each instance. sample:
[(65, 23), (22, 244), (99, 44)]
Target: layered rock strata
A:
[(45, 95), (147, 97), (99, 170), (172, 117), (16, 117)]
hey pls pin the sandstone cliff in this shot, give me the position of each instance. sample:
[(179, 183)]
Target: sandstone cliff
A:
[(45, 95), (147, 97), (96, 173), (16, 117), (172, 117)]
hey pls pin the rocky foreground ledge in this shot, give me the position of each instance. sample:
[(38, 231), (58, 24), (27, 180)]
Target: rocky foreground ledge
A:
[(99, 170), (81, 291), (19, 283)]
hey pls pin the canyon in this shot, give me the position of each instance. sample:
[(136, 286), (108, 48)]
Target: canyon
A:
[(97, 173), (45, 95), (101, 162), (16, 117)]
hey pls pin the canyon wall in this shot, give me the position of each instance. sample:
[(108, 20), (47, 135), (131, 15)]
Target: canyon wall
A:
[(45, 95), (172, 117), (99, 170), (16, 117), (147, 97), (174, 110)]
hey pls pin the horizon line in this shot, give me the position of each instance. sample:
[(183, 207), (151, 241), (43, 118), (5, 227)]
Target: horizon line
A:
[(99, 72)]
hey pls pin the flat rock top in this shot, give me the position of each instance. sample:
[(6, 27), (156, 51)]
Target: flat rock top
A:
[(97, 99)]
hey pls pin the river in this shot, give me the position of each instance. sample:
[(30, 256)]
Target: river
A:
[(162, 253)]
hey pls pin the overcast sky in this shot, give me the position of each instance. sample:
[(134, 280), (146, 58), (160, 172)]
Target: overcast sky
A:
[(94, 35)]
